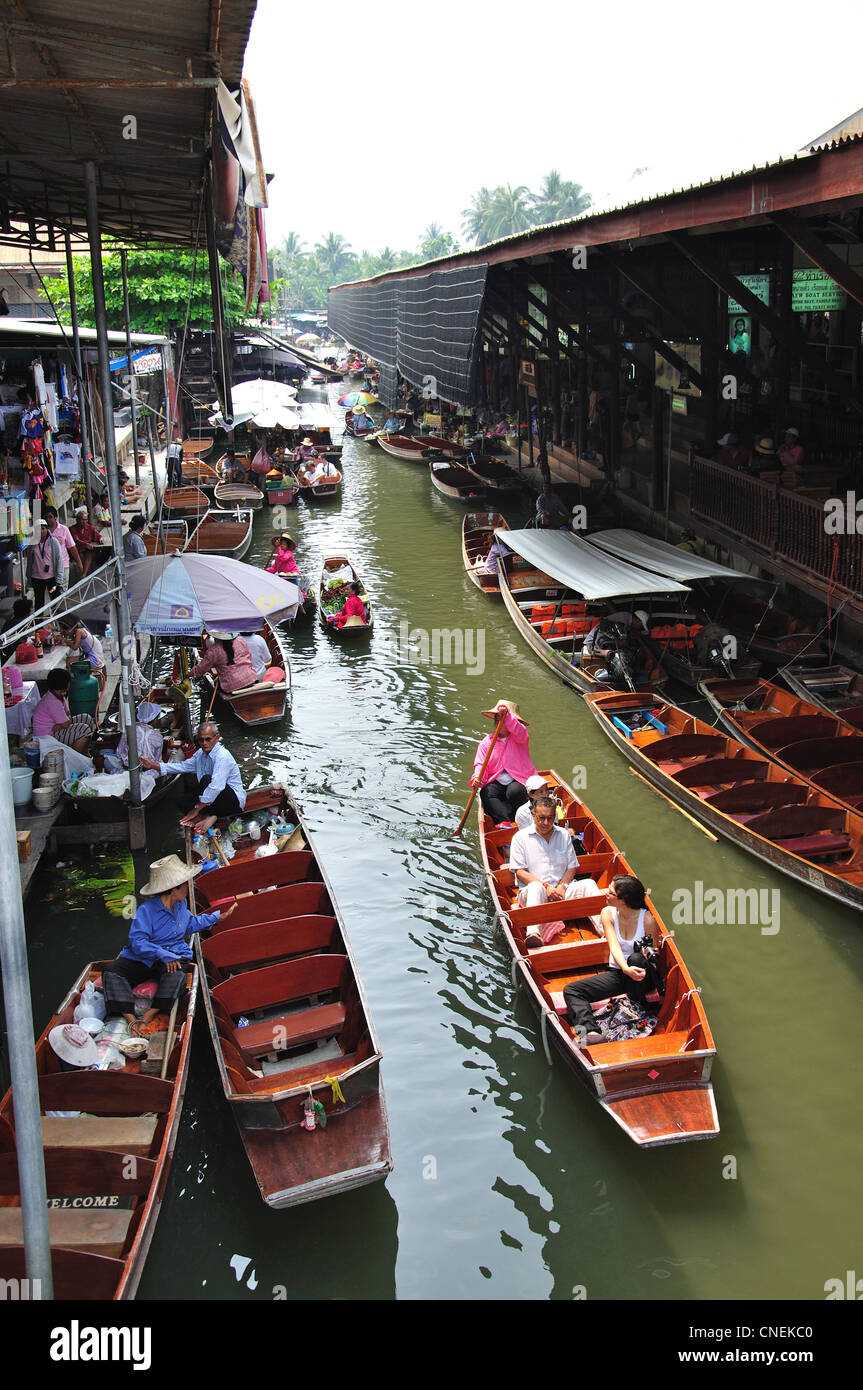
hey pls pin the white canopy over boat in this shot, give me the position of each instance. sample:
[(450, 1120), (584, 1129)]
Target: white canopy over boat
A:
[(661, 558), (582, 567)]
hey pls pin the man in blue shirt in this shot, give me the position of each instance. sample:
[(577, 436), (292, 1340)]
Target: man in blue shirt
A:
[(158, 944), (220, 788)]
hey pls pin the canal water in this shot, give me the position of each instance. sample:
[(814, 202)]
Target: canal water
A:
[(509, 1180)]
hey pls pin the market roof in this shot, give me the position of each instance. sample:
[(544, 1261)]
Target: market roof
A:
[(661, 558), (582, 567), (128, 88), (41, 332)]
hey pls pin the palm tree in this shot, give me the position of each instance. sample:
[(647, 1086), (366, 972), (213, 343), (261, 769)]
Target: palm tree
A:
[(293, 246), (387, 259), (436, 242), (509, 212), (475, 217), (334, 255), (559, 199)]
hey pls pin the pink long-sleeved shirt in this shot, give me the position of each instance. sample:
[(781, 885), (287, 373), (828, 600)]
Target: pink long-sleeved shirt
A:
[(511, 753)]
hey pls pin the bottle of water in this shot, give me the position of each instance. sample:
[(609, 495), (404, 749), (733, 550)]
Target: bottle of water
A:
[(109, 642)]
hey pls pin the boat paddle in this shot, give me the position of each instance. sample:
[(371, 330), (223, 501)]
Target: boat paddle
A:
[(497, 728)]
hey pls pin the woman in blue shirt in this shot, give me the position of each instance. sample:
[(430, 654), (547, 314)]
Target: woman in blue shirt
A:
[(158, 944)]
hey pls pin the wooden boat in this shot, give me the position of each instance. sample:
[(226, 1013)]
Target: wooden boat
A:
[(657, 1088), (283, 960), (264, 702), (494, 475), (338, 572), (450, 448), (403, 446), (767, 633), (222, 533), (242, 457), (281, 491), (331, 487), (200, 447), (837, 689), (165, 537), (451, 480), (760, 806), (245, 495), (820, 747), (477, 537), (114, 810), (692, 651), (555, 606), (202, 475), (184, 501), (103, 1210), (351, 429)]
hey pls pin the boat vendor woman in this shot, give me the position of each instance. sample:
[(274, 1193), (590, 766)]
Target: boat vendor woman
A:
[(503, 786), (305, 451), (220, 789), (283, 560), (229, 658), (354, 611), (158, 944)]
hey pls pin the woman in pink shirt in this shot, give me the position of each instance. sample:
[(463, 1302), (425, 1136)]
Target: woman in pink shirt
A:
[(502, 788), (231, 661), (51, 716), (283, 561), (354, 608)]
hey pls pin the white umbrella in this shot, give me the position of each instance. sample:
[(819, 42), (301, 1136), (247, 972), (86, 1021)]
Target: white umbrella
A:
[(177, 595), (256, 401)]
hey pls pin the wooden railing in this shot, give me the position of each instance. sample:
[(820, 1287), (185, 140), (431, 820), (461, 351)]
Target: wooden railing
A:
[(786, 525)]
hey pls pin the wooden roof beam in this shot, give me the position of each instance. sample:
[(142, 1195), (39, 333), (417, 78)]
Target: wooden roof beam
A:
[(819, 253)]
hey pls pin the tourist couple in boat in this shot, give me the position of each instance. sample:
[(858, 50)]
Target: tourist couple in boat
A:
[(544, 860)]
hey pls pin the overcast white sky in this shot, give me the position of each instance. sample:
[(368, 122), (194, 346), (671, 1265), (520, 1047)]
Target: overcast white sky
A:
[(374, 127)]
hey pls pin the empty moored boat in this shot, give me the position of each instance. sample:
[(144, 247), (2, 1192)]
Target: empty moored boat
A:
[(245, 495), (283, 965), (656, 1087), (222, 533), (451, 480), (837, 689)]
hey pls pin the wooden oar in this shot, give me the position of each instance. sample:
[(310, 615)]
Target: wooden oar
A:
[(679, 809), (169, 1041), (498, 726)]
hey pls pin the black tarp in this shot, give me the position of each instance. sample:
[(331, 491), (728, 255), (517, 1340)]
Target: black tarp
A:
[(427, 326)]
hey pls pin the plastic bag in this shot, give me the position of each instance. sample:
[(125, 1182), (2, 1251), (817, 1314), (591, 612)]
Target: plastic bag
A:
[(91, 1005)]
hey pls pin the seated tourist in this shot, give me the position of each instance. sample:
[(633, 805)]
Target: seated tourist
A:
[(625, 922), (262, 659), (502, 790), (497, 551), (51, 717), (228, 658), (158, 944), (544, 862), (322, 471), (363, 422)]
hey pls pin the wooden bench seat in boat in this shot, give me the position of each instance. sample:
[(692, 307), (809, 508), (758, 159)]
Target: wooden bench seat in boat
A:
[(77, 1274), (640, 1049), (82, 1172), (804, 830), (843, 781), (812, 753), (784, 729), (105, 1092), (677, 747), (258, 944), (131, 1135), (297, 1071), (294, 900), (102, 1230), (286, 984), (567, 911), (718, 771), (251, 875), (753, 797)]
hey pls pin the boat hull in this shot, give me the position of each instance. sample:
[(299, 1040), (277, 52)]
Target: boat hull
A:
[(477, 535)]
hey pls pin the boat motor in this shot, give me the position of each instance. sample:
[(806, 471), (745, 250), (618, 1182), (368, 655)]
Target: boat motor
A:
[(711, 645)]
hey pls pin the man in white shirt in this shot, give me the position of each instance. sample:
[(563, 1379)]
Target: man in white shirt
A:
[(544, 862), (259, 652)]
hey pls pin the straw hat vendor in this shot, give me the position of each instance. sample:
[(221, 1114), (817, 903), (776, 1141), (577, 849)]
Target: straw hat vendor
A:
[(158, 943), (305, 451), (502, 789)]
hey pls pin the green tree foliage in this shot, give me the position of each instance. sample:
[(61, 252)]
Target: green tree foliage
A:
[(436, 242), (161, 280), (505, 211)]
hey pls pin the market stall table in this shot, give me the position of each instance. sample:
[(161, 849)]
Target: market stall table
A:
[(38, 670), (20, 715)]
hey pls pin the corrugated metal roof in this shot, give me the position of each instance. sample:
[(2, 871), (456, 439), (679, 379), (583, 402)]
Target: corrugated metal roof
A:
[(128, 87), (24, 332)]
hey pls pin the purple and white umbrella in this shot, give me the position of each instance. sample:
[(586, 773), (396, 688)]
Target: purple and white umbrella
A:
[(178, 595)]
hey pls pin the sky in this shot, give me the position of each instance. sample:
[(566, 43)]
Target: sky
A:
[(375, 127)]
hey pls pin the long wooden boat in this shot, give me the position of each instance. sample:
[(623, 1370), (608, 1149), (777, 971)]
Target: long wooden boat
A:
[(820, 747), (450, 448), (222, 533), (114, 810), (760, 806), (281, 491), (554, 608), (103, 1209), (451, 480), (245, 495), (329, 488), (264, 702), (692, 651), (165, 537), (284, 962), (477, 538), (403, 446), (332, 596), (242, 457), (765, 632), (202, 475), (199, 447), (494, 475), (184, 501), (837, 689), (657, 1088)]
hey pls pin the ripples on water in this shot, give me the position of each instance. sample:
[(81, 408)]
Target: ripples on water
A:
[(509, 1180)]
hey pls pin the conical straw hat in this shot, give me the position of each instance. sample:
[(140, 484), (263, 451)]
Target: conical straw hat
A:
[(166, 874)]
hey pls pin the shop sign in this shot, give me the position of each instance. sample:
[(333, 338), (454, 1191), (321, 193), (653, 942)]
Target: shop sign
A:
[(667, 377), (759, 285), (812, 291)]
